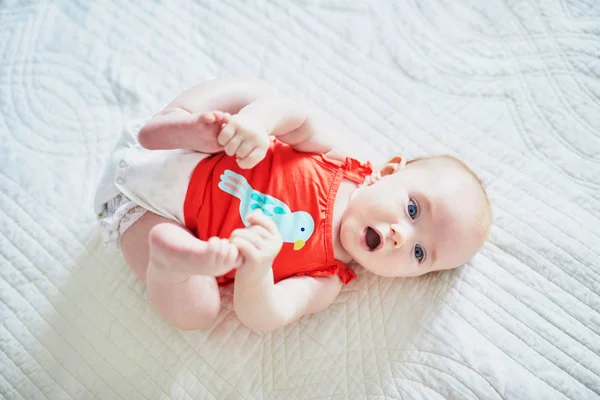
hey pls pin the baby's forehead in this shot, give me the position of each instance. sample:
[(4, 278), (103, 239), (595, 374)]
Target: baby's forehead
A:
[(449, 179), (436, 161), (443, 167), (461, 189)]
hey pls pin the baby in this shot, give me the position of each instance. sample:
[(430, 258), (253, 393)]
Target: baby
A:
[(233, 183)]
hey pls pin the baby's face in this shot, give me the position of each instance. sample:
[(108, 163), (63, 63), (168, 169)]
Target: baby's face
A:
[(419, 219)]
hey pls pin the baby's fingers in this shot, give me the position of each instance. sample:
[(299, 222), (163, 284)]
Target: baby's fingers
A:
[(244, 149), (226, 134), (255, 156), (229, 252), (258, 218), (248, 234), (246, 248), (231, 148)]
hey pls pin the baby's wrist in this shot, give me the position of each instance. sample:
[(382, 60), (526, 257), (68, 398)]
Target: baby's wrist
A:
[(255, 273)]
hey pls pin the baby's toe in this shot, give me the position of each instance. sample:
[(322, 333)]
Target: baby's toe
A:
[(208, 117)]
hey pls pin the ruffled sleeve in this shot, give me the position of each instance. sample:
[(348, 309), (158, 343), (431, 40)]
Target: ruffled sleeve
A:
[(338, 268), (356, 171)]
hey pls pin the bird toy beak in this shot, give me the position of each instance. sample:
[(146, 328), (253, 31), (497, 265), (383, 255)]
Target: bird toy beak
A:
[(298, 244)]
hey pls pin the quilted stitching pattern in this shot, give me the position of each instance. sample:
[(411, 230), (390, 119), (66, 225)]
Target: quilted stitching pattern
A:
[(509, 86)]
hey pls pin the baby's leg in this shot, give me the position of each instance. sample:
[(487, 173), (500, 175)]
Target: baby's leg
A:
[(183, 125), (176, 268), (176, 128)]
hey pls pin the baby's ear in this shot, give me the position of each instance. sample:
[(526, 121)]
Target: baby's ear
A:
[(393, 165)]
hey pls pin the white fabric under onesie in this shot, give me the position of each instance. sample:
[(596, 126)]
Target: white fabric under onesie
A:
[(156, 180)]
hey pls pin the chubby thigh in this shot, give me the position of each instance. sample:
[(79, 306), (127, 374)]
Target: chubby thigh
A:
[(189, 304)]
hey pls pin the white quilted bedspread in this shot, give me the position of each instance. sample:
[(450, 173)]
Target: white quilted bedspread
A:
[(510, 86)]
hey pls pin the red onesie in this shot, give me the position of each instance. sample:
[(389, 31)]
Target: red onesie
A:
[(297, 190)]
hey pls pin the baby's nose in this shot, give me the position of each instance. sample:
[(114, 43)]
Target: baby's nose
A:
[(400, 234)]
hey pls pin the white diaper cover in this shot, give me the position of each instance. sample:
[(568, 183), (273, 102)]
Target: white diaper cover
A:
[(137, 180), (115, 212), (117, 215)]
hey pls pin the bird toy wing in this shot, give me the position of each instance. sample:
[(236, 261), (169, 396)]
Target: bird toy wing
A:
[(269, 205), (235, 184)]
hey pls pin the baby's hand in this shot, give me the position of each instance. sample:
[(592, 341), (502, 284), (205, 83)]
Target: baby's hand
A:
[(245, 137), (258, 244)]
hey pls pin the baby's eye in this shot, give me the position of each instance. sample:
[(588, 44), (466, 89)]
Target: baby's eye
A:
[(419, 253), (413, 209)]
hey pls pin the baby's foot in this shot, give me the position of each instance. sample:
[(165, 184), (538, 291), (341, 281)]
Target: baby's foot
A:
[(215, 117), (177, 251), (206, 127)]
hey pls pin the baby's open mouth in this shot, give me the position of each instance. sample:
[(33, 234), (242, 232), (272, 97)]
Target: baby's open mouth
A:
[(372, 239)]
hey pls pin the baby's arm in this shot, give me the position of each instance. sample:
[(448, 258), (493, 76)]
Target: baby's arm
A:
[(297, 123), (262, 305), (180, 124)]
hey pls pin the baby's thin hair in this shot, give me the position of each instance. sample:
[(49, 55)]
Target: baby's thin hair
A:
[(484, 219)]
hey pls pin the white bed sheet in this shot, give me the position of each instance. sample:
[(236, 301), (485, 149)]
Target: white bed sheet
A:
[(511, 87)]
